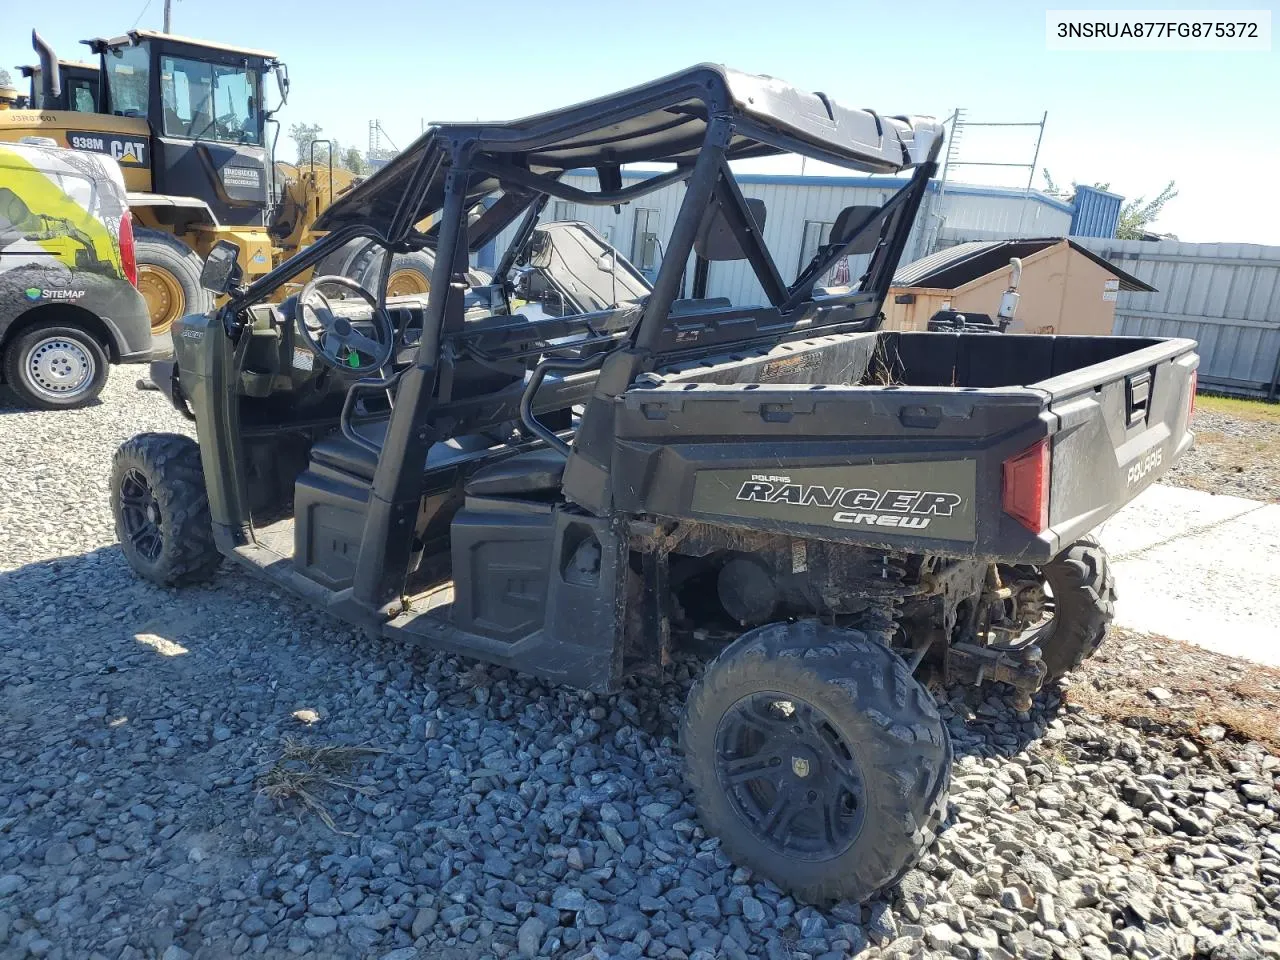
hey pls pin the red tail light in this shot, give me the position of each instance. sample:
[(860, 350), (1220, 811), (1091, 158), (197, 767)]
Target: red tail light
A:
[(1025, 493), (127, 258), (1191, 403)]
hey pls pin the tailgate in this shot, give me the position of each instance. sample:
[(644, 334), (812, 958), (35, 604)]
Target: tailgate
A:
[(1120, 425)]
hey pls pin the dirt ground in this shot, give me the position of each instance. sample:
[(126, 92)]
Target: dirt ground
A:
[(1189, 691), (1237, 449)]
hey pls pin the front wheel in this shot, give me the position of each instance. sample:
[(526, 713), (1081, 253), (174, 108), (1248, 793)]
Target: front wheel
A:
[(55, 367), (161, 509), (169, 278), (817, 758)]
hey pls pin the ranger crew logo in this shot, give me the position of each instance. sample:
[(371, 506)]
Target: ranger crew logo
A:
[(912, 509), (930, 499)]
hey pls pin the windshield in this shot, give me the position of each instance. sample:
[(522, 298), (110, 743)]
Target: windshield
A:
[(209, 101), (128, 73)]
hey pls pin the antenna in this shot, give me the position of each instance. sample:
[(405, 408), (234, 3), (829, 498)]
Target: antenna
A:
[(958, 125)]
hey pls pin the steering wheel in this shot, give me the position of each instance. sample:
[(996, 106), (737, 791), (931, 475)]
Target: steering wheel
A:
[(334, 339)]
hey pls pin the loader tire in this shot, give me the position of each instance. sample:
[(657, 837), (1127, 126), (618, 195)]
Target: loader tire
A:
[(168, 278), (1084, 596), (818, 759), (161, 509)]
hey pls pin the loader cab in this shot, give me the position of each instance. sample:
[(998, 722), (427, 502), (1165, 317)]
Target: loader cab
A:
[(204, 106), (81, 87)]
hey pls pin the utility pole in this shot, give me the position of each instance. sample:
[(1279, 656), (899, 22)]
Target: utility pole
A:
[(167, 15)]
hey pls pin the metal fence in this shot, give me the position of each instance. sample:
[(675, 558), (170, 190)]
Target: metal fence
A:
[(1224, 295)]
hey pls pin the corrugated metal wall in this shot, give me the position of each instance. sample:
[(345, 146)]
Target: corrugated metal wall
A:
[(1096, 213), (1224, 295), (791, 202)]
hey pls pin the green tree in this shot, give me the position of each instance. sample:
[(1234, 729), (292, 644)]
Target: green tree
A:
[(304, 134), (1136, 216), (353, 161)]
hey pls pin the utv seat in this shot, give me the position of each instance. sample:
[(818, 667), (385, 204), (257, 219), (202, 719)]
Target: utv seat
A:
[(339, 453), (535, 472)]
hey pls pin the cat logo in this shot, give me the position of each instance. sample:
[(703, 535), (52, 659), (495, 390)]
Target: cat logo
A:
[(124, 150), (129, 152)]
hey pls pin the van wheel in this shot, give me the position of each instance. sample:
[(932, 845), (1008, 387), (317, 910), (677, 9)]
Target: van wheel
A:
[(169, 279), (161, 509), (55, 367), (817, 758)]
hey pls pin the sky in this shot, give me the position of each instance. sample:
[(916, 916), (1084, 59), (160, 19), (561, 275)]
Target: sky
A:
[(1135, 120)]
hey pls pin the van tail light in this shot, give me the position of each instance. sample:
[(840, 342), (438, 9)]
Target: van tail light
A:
[(1191, 402), (1025, 488), (128, 259)]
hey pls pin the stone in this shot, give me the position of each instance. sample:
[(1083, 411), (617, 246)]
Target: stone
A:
[(1159, 694), (705, 908), (319, 927), (568, 898), (529, 937), (320, 889), (11, 883), (942, 937), (423, 921), (752, 910), (59, 854)]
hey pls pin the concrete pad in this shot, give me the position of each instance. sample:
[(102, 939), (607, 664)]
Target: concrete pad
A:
[(1160, 514), (1199, 568)]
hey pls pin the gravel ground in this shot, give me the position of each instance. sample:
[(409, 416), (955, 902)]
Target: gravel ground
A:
[(1232, 454), (489, 815)]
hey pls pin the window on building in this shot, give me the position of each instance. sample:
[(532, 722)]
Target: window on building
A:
[(564, 210), (644, 239)]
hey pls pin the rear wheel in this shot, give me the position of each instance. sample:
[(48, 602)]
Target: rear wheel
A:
[(817, 758), (169, 279), (161, 509), (55, 367), (1082, 595)]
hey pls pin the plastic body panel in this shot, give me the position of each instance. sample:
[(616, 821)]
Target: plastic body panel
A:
[(523, 597), (805, 458)]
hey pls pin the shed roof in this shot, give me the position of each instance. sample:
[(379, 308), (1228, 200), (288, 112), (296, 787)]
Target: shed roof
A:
[(965, 262)]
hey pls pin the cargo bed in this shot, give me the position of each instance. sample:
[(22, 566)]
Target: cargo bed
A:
[(954, 444)]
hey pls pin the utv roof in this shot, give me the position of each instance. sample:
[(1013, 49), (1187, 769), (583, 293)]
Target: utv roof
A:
[(664, 121)]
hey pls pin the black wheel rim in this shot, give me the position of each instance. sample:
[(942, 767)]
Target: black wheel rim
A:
[(790, 776), (140, 515)]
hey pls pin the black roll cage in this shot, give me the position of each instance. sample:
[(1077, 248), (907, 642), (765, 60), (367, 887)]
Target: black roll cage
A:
[(469, 161), (526, 193)]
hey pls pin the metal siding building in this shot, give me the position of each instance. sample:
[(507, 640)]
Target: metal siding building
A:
[(1096, 212), (798, 207), (1224, 295)]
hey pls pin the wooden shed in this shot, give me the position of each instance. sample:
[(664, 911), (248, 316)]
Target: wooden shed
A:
[(1065, 288)]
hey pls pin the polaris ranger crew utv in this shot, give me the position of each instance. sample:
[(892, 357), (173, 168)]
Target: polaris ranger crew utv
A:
[(571, 495)]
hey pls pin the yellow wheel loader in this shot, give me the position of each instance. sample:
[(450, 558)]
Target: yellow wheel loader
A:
[(188, 123)]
